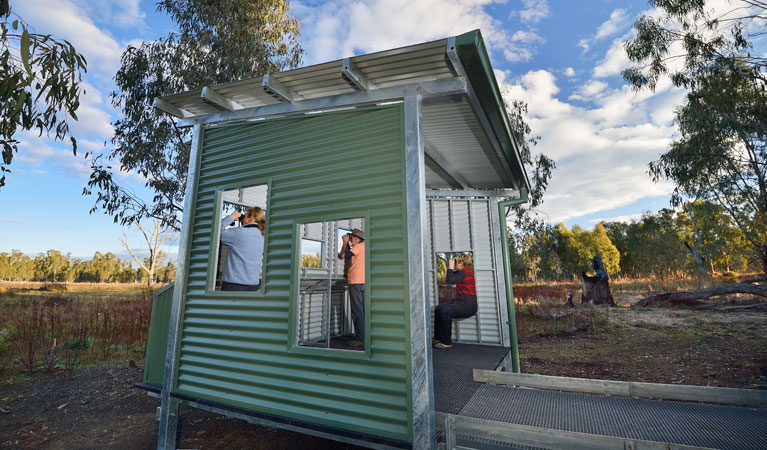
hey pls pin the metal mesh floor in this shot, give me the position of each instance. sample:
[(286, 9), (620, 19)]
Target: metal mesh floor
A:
[(688, 423), (454, 381)]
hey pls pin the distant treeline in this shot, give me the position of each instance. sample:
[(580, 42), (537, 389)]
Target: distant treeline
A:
[(669, 243), (53, 266)]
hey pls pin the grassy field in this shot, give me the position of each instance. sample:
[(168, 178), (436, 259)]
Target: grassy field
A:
[(46, 328), (50, 327)]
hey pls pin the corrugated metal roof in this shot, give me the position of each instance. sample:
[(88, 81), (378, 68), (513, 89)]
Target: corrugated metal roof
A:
[(451, 125)]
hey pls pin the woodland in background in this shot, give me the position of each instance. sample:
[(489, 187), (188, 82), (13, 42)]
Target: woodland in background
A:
[(55, 267), (698, 240)]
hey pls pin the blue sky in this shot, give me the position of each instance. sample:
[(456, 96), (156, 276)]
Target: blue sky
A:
[(563, 57)]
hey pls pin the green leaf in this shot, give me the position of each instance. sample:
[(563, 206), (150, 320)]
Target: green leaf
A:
[(19, 103), (15, 24), (24, 48)]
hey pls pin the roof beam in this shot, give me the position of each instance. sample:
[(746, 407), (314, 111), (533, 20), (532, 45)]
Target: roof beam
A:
[(439, 159), (215, 98), (452, 55), (485, 122), (445, 86), (170, 108), (274, 87), (355, 75), (449, 193)]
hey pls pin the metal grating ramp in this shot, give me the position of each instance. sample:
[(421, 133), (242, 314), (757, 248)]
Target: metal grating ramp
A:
[(686, 423), (454, 384)]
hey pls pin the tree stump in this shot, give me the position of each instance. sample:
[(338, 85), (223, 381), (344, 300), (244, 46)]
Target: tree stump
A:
[(596, 289)]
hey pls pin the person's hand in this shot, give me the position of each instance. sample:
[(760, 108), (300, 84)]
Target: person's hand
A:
[(451, 264), (235, 215), (346, 239)]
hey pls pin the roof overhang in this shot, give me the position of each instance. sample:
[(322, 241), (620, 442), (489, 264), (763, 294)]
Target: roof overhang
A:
[(469, 144)]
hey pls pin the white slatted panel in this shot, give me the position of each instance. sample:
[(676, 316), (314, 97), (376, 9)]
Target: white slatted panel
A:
[(312, 231), (470, 220), (441, 226), (310, 324), (487, 295), (461, 225)]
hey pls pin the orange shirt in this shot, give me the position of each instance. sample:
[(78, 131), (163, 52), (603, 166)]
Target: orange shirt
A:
[(356, 274)]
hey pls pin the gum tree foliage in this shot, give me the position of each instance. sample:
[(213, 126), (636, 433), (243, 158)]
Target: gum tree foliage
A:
[(54, 266), (539, 168), (720, 155), (39, 85), (216, 42)]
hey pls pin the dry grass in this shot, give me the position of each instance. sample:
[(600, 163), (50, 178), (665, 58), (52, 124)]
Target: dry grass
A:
[(43, 331)]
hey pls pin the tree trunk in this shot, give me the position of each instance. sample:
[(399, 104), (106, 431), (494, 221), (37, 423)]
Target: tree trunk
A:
[(596, 289), (694, 298)]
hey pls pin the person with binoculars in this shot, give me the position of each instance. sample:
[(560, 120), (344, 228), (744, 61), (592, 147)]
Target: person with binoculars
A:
[(463, 305), (353, 252), (242, 271)]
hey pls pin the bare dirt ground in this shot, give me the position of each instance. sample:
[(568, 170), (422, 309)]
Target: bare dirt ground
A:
[(97, 408)]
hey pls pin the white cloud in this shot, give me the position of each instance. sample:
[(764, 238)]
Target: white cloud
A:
[(617, 23), (569, 72), (93, 116), (589, 91), (39, 155), (338, 29), (66, 20), (10, 220), (628, 219), (614, 61), (535, 11), (119, 13), (601, 150)]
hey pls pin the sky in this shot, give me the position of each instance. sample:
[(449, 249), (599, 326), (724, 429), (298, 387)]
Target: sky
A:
[(562, 57)]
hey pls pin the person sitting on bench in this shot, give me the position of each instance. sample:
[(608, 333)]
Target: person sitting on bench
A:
[(463, 305)]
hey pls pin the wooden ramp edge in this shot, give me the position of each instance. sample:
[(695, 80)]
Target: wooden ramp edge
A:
[(729, 396)]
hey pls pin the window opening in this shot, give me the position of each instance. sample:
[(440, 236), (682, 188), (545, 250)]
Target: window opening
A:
[(241, 242), (328, 317)]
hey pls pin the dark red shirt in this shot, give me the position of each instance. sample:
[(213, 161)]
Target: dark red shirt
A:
[(463, 280)]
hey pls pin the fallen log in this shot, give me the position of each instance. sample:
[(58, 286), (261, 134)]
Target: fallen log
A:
[(694, 298)]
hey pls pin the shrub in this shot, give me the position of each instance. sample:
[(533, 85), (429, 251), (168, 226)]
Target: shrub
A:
[(60, 332)]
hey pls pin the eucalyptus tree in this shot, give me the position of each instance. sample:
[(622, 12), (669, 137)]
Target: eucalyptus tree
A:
[(539, 166), (684, 39), (721, 153), (40, 85), (215, 42)]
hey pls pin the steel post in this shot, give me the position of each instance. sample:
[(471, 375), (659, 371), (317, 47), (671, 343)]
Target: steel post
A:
[(507, 276)]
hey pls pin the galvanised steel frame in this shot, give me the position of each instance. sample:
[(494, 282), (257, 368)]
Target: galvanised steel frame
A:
[(424, 436)]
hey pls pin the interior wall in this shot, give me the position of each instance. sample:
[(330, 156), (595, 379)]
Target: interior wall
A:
[(462, 225)]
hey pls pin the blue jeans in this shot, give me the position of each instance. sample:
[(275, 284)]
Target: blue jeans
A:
[(357, 303), (226, 286), (444, 315)]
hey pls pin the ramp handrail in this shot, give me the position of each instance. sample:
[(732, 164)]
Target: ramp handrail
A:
[(701, 394)]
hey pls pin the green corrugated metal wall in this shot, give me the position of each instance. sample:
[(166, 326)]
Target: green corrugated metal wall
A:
[(237, 350), (157, 342)]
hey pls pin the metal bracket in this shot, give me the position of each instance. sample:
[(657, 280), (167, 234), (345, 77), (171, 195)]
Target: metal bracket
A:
[(171, 109), (355, 75), (452, 55), (216, 99), (450, 433), (274, 87)]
